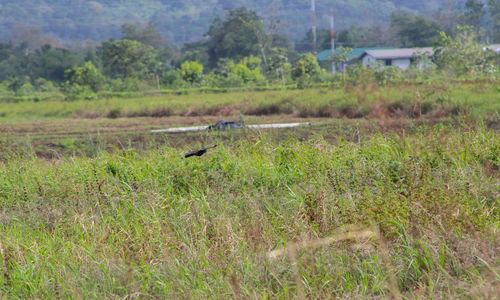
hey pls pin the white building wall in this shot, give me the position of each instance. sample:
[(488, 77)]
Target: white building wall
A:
[(369, 61), (402, 63), (366, 60)]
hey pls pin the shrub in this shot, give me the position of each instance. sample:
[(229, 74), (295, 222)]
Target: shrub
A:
[(45, 86), (306, 65), (463, 54), (87, 75), (192, 72), (247, 75), (306, 71), (387, 75), (173, 79), (230, 74), (78, 92)]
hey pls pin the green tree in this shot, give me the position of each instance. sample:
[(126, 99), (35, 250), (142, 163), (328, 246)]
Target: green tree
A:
[(306, 70), (191, 71), (357, 36), (11, 61), (15, 84), (449, 15), (413, 31), (249, 70), (307, 65), (145, 34), (238, 35), (494, 9), (231, 74), (474, 12), (51, 63), (197, 51), (343, 56), (322, 41), (126, 58), (463, 54), (278, 67), (87, 75)]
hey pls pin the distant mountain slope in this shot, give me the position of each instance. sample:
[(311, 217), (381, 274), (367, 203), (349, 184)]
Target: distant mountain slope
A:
[(188, 20)]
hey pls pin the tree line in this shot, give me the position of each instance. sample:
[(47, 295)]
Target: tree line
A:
[(239, 50)]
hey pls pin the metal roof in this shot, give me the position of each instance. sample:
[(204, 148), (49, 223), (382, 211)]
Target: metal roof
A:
[(356, 52), (494, 47), (398, 53)]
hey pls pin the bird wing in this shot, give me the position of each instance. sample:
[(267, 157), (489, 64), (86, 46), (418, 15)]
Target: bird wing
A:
[(189, 154), (198, 152)]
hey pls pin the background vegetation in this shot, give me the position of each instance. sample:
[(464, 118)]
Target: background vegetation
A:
[(186, 21), (240, 49), (393, 191)]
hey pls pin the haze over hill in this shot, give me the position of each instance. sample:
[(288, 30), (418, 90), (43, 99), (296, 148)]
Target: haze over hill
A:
[(188, 20)]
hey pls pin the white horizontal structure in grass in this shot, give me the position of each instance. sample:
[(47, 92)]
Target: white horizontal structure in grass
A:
[(202, 128)]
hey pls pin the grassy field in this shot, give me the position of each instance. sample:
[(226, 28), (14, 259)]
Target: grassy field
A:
[(401, 202), (57, 128), (476, 99)]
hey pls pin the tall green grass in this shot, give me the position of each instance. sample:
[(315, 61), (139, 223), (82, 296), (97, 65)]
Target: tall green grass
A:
[(157, 225)]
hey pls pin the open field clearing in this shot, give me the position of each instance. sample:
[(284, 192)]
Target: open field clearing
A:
[(156, 224), (58, 128), (89, 137), (393, 192)]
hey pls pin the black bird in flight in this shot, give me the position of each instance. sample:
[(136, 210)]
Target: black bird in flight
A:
[(198, 152)]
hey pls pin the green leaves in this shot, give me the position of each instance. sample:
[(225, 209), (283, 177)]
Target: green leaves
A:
[(126, 58), (306, 70), (413, 31), (238, 35), (88, 75), (463, 54), (191, 71)]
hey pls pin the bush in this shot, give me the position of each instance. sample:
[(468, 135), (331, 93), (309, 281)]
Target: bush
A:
[(15, 84), (386, 75), (192, 72), (463, 55), (78, 92), (306, 71), (132, 84), (173, 79), (26, 89), (230, 74), (87, 75), (278, 69), (45, 86), (248, 75), (223, 81)]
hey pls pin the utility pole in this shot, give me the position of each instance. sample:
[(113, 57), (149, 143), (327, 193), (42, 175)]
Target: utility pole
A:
[(332, 38), (313, 11)]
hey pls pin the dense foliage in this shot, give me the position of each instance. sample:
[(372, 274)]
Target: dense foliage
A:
[(185, 21), (239, 50)]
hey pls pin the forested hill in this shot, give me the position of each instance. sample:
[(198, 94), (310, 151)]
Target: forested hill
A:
[(188, 20)]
